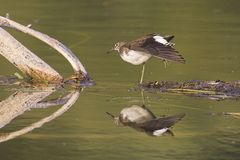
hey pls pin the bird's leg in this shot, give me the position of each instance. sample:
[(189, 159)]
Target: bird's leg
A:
[(165, 63), (169, 132), (143, 99), (143, 70)]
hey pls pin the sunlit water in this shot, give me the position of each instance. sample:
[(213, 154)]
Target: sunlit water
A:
[(207, 35)]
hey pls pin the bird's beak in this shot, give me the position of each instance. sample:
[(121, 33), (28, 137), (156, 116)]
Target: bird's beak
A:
[(110, 115), (110, 51)]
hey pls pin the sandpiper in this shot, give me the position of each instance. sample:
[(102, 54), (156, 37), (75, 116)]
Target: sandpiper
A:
[(142, 119), (141, 50)]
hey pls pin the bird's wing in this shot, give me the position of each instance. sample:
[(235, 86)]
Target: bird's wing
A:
[(160, 123), (158, 46), (149, 111), (168, 37)]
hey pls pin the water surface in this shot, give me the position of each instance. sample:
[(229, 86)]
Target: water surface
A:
[(207, 35)]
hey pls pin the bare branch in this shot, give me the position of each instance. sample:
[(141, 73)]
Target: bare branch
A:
[(61, 48), (25, 60)]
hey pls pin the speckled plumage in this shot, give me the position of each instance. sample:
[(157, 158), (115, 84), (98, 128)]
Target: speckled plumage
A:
[(146, 47), (141, 50)]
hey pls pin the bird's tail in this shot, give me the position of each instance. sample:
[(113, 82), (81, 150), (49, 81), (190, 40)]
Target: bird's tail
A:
[(171, 120), (168, 37), (177, 117)]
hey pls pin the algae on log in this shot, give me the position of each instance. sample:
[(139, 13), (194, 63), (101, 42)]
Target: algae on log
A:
[(28, 62), (216, 90)]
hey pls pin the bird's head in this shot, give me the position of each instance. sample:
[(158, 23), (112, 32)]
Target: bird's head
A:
[(118, 45), (116, 120)]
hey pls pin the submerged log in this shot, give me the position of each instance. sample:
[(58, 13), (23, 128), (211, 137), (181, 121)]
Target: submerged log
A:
[(9, 80), (211, 89), (233, 114), (28, 62)]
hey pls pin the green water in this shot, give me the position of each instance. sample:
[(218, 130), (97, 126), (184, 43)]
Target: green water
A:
[(207, 35)]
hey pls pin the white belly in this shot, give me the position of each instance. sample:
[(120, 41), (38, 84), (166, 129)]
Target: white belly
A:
[(135, 57)]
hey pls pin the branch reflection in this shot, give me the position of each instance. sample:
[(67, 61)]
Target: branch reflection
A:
[(21, 101)]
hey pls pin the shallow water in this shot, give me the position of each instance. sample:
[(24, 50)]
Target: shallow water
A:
[(207, 35)]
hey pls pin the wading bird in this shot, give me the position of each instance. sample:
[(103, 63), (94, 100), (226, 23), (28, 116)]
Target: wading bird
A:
[(141, 50)]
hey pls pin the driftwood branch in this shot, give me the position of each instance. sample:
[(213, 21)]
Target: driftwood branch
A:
[(25, 60), (73, 98), (11, 46)]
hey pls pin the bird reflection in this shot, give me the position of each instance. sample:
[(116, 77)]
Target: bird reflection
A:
[(142, 119)]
